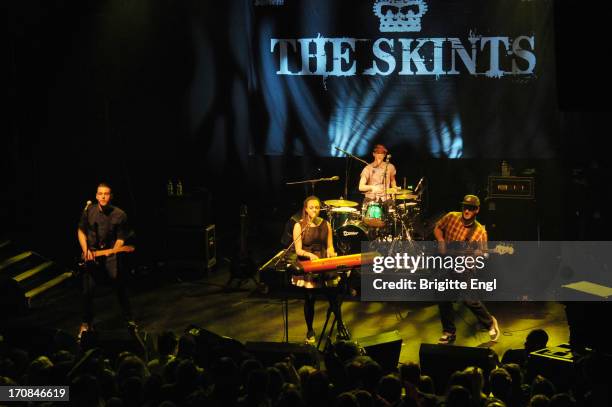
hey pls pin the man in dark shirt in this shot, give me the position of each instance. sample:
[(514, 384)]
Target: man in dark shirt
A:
[(102, 226)]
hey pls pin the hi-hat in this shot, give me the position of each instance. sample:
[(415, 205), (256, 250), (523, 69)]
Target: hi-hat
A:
[(398, 191), (340, 202), (406, 196)]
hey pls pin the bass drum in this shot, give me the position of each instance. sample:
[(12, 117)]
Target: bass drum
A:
[(348, 238)]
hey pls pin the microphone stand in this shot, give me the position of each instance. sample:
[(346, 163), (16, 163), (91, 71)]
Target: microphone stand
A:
[(346, 177), (352, 156), (282, 256), (385, 178)]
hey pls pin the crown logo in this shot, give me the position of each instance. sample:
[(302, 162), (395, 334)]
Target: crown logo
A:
[(400, 15)]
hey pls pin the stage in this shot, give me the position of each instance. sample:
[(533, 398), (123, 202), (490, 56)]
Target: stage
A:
[(176, 301)]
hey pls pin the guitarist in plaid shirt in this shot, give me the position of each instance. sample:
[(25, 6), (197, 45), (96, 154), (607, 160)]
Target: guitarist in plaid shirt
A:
[(463, 227)]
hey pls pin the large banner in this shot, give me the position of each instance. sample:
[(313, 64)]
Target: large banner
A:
[(456, 79)]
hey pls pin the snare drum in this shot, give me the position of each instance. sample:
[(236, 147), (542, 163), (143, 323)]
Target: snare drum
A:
[(342, 215), (348, 238), (374, 215)]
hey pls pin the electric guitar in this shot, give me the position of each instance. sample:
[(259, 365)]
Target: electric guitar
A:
[(500, 249), (82, 263), (108, 252)]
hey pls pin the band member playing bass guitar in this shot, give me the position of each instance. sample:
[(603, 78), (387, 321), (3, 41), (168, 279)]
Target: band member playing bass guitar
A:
[(102, 232), (463, 227)]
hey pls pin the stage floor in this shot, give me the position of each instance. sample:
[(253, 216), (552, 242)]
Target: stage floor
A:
[(173, 302)]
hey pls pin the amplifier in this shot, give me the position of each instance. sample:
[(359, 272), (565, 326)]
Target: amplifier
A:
[(511, 187)]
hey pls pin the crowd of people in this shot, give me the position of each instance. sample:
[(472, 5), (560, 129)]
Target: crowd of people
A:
[(197, 370)]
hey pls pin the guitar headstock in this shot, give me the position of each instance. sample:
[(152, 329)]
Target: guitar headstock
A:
[(126, 249), (503, 249)]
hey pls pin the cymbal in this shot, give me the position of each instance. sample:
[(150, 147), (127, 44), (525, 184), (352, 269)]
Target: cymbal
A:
[(340, 202), (344, 209), (406, 196), (398, 191)]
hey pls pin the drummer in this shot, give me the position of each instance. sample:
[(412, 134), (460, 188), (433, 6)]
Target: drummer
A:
[(377, 177)]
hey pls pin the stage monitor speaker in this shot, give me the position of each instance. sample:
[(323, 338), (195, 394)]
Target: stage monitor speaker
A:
[(113, 342), (441, 361), (555, 363), (37, 340), (269, 353), (13, 302), (384, 348), (211, 346)]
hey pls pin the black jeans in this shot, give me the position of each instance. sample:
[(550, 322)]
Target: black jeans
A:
[(447, 314), (111, 265)]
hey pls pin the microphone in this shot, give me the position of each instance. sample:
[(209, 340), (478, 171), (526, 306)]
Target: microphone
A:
[(87, 205), (419, 185), (334, 178)]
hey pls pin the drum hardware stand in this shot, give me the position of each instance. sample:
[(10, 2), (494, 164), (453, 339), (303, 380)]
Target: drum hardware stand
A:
[(313, 182), (346, 176)]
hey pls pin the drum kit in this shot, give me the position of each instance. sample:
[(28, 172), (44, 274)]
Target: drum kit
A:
[(391, 220)]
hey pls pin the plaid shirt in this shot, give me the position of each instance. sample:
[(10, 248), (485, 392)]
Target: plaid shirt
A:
[(452, 226)]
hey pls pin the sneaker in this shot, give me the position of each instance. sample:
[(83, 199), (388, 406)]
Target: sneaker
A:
[(310, 337), (494, 330), (447, 338), (83, 328), (343, 333)]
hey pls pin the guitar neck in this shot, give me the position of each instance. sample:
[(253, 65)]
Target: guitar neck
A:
[(108, 252), (499, 249)]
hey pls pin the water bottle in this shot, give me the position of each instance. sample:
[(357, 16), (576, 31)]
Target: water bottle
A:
[(179, 188), (505, 169), (170, 188)]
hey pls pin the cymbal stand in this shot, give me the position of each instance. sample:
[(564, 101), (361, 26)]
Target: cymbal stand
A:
[(312, 182), (346, 176)]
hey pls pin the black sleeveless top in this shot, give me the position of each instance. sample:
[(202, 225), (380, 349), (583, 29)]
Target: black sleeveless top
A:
[(315, 239)]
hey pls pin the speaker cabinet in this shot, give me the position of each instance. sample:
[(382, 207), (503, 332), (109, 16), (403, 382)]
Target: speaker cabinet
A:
[(188, 211), (269, 353), (384, 348), (510, 219), (440, 361), (192, 245)]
